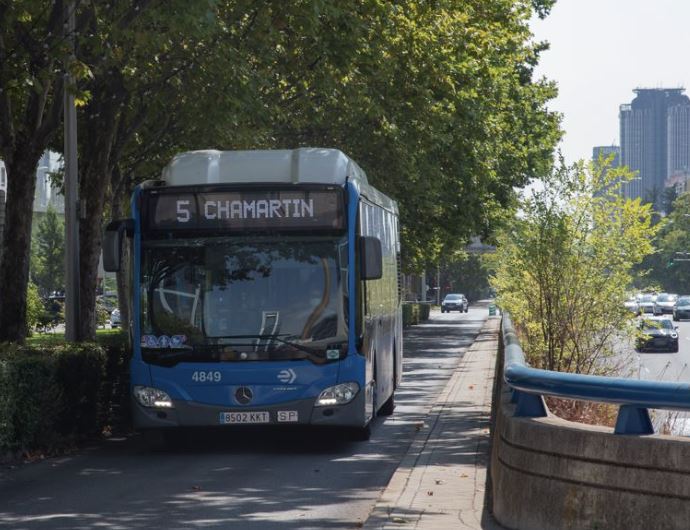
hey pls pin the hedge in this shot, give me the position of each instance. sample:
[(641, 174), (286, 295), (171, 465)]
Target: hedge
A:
[(415, 312), (52, 396)]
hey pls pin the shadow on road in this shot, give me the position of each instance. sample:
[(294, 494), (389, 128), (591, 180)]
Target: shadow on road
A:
[(245, 479)]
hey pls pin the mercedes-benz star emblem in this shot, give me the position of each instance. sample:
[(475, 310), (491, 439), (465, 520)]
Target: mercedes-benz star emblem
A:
[(243, 395)]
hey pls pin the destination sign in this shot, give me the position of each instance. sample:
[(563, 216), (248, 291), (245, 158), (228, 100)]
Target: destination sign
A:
[(247, 210)]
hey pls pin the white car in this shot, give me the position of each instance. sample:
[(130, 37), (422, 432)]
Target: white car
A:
[(115, 318), (632, 305), (454, 302), (664, 303), (646, 303)]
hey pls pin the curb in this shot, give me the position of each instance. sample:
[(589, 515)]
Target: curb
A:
[(389, 510)]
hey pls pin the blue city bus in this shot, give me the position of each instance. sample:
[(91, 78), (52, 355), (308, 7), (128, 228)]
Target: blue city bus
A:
[(266, 290)]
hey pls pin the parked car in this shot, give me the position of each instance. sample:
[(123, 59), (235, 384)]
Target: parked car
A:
[(455, 302), (632, 305), (115, 318), (657, 334), (664, 303), (681, 309), (646, 304)]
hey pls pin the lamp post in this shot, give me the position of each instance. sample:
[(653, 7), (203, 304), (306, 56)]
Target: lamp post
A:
[(71, 188)]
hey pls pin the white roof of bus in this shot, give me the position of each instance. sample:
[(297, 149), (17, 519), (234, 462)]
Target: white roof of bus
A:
[(291, 166), (297, 166)]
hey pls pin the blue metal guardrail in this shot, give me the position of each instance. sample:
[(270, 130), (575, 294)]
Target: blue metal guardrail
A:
[(635, 397)]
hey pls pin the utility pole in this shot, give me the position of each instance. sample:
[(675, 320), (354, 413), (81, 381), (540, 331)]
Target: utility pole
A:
[(438, 284), (71, 187)]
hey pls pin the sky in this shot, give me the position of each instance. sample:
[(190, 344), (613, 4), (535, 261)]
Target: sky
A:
[(600, 51)]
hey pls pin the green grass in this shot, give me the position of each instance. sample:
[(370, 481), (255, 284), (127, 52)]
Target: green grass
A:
[(55, 339)]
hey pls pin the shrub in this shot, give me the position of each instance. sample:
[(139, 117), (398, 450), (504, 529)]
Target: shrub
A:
[(52, 395), (79, 371), (410, 314), (115, 412), (414, 313), (34, 307), (102, 315), (424, 310), (31, 400)]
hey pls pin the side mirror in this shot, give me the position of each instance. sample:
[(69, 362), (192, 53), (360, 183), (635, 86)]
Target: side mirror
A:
[(112, 243), (372, 258)]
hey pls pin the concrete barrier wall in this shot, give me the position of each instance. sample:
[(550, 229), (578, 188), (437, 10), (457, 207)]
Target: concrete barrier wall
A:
[(549, 473)]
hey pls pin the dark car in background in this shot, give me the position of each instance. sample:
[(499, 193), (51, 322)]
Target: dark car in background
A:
[(455, 302), (681, 309), (657, 334), (664, 303)]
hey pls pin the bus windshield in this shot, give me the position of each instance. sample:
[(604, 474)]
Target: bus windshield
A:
[(225, 299)]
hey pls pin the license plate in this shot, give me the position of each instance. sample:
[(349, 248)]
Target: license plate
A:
[(244, 417), (287, 416)]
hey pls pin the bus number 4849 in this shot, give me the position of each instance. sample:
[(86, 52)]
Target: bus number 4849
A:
[(206, 377)]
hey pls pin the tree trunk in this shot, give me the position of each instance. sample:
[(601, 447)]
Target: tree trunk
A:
[(14, 269), (94, 192), (89, 255)]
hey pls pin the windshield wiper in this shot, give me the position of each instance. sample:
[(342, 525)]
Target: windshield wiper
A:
[(277, 338)]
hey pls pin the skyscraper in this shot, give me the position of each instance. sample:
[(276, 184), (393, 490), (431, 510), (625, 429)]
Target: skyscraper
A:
[(605, 151), (678, 147), (644, 135)]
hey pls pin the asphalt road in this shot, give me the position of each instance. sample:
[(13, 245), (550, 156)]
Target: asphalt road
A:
[(662, 366), (262, 479)]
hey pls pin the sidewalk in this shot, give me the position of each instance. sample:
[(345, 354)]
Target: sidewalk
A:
[(440, 483)]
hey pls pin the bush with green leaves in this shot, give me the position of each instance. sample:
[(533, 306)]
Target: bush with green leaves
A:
[(52, 396), (565, 264), (414, 313), (34, 307)]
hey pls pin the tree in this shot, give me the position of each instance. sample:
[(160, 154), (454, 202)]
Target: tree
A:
[(467, 274), (34, 307), (436, 100), (48, 265), (672, 242), (132, 56), (565, 264), (32, 45), (442, 112)]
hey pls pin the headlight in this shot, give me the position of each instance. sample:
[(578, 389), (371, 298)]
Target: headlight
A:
[(152, 397), (337, 395), (674, 335)]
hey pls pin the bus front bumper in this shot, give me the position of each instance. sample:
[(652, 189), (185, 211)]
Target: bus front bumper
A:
[(298, 412)]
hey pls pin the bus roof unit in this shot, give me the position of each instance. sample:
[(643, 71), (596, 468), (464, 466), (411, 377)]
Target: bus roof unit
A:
[(306, 165), (290, 166)]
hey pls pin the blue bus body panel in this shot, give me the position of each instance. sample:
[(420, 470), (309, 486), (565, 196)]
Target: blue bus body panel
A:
[(352, 368), (270, 382), (352, 207), (140, 373)]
